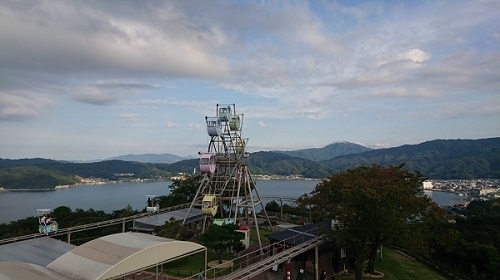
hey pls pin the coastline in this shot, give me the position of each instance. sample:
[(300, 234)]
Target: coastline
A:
[(84, 183), (93, 182)]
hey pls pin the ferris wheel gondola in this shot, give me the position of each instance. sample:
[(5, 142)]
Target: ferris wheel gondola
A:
[(46, 223), (207, 163), (152, 204), (209, 205)]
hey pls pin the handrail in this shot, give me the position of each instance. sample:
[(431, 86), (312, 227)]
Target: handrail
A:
[(111, 222), (92, 225)]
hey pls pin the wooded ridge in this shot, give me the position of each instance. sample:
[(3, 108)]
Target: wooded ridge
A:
[(437, 159)]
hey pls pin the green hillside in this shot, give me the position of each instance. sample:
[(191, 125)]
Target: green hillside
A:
[(32, 177), (328, 152), (438, 159)]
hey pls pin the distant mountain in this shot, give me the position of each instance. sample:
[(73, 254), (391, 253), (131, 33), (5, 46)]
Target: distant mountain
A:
[(151, 158), (437, 159), (328, 152)]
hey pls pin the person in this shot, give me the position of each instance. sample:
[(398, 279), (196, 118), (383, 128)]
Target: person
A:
[(301, 275), (49, 220), (275, 267), (288, 270), (43, 219), (322, 276), (149, 202), (200, 275)]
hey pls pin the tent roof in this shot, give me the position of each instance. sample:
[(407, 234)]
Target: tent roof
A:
[(120, 254), (27, 271), (40, 251), (107, 257)]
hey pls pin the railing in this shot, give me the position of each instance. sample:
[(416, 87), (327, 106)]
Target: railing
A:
[(255, 263), (92, 225)]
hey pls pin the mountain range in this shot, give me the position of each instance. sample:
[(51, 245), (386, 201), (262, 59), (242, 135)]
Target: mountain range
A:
[(436, 159)]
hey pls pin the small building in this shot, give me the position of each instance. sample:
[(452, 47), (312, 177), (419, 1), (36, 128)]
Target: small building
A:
[(149, 223)]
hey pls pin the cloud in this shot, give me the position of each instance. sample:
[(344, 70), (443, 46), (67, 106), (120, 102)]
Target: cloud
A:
[(417, 56), (105, 38), (16, 106), (129, 118), (264, 124), (170, 124), (95, 96), (106, 92)]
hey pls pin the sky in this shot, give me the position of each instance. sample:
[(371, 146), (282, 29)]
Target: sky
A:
[(89, 80)]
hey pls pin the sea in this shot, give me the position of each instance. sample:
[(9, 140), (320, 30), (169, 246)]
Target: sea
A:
[(15, 205)]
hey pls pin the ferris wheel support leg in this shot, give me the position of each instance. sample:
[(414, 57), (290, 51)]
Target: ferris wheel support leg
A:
[(263, 206), (194, 199)]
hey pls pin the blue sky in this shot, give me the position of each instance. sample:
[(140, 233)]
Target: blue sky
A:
[(86, 80)]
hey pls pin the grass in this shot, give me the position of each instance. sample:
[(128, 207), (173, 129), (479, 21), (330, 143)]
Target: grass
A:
[(396, 266), (191, 265)]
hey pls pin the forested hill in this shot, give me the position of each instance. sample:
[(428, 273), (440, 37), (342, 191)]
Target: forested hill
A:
[(328, 152), (437, 159)]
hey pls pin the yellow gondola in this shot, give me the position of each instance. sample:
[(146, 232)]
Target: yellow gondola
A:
[(209, 205)]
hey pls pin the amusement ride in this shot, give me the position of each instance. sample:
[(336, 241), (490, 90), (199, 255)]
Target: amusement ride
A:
[(46, 224), (227, 194)]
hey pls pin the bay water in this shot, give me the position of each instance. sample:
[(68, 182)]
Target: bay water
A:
[(15, 205)]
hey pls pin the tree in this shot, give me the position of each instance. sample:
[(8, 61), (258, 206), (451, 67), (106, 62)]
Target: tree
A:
[(370, 205), (171, 229), (181, 191), (222, 238)]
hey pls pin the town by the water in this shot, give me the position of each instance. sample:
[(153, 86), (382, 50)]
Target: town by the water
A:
[(483, 189)]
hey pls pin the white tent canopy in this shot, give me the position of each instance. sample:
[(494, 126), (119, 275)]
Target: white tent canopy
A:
[(107, 257)]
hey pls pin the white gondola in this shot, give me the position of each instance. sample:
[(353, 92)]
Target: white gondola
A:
[(46, 224), (153, 205), (207, 163), (224, 112), (214, 126), (209, 205)]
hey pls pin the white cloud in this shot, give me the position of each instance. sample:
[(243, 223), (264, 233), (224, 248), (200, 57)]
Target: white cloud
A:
[(416, 55), (170, 124), (16, 105), (264, 124), (129, 117), (328, 64)]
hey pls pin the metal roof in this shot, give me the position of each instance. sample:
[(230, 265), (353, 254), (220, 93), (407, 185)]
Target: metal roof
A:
[(155, 220), (298, 235), (40, 251), (107, 257)]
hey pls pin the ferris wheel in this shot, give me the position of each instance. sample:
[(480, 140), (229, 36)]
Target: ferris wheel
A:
[(227, 193)]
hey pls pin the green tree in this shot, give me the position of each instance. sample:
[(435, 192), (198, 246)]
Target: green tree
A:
[(368, 206), (222, 238), (181, 191), (171, 229)]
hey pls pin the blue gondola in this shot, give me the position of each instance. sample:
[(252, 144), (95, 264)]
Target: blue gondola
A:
[(46, 224)]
